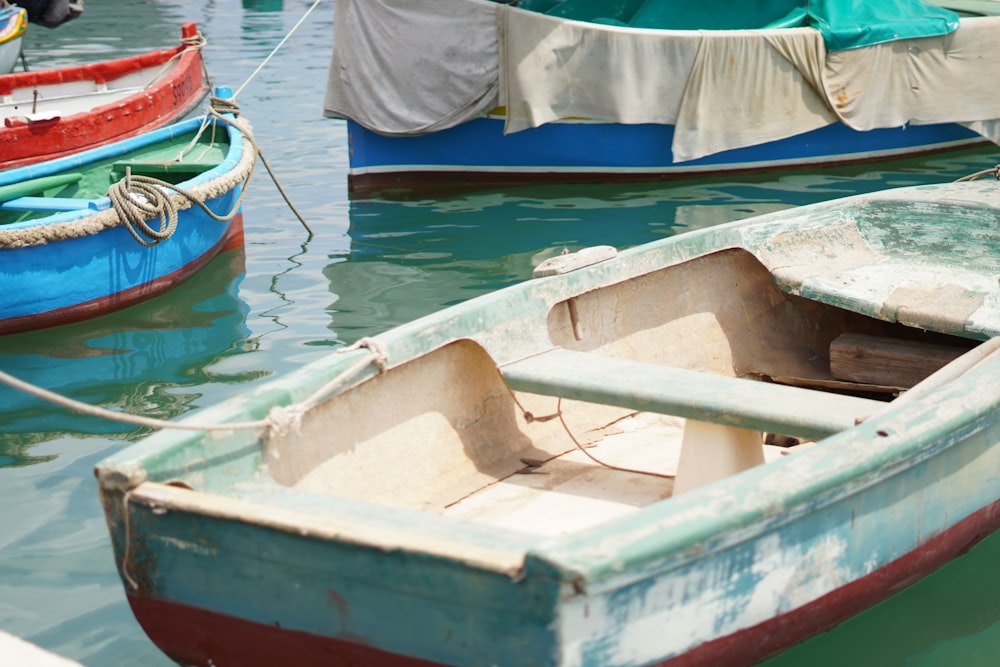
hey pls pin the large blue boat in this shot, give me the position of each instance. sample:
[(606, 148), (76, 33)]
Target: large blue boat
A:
[(472, 91)]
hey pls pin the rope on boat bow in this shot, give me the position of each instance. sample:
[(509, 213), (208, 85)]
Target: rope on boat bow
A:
[(137, 199)]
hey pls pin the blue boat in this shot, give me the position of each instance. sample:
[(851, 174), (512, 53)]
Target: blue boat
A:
[(701, 450), (583, 91), (103, 229)]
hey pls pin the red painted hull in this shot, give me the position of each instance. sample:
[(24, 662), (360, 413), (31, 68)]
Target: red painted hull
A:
[(167, 100), (195, 636)]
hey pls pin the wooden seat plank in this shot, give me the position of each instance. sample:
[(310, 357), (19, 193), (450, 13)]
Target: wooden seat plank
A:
[(53, 204), (708, 397)]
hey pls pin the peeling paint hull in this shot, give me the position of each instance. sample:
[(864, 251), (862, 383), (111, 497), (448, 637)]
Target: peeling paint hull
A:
[(434, 514), (193, 635)]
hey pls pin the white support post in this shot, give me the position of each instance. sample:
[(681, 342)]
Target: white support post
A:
[(710, 452)]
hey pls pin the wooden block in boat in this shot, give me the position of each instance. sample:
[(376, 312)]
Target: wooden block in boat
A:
[(887, 361)]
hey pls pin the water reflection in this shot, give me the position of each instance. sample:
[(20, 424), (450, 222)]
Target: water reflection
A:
[(119, 28), (409, 256), (262, 5), (148, 360)]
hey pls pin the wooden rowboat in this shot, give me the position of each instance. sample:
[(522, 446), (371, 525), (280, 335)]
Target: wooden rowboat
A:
[(52, 113), (697, 451), (79, 235)]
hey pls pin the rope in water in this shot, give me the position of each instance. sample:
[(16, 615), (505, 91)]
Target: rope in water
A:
[(280, 419), (260, 153), (136, 199), (972, 177)]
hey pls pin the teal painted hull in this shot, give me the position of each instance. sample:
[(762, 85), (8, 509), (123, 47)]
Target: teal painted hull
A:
[(348, 535)]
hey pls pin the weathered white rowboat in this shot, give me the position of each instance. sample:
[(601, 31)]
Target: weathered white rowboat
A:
[(698, 451)]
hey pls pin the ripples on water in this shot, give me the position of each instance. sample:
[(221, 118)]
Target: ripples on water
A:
[(286, 300)]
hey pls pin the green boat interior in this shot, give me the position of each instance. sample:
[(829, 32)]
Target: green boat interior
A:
[(82, 186)]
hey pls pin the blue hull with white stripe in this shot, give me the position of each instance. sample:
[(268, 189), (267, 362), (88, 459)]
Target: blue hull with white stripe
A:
[(479, 151)]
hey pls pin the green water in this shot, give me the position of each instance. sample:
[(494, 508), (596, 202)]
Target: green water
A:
[(288, 299)]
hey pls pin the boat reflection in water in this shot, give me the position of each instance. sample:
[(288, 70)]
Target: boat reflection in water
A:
[(148, 360), (424, 254)]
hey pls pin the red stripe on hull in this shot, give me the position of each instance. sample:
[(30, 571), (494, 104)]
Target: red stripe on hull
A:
[(771, 637), (119, 300), (198, 637), (168, 100)]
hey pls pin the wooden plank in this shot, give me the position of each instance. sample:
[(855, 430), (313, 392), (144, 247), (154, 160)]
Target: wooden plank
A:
[(52, 204), (156, 169), (707, 397), (34, 186), (887, 361)]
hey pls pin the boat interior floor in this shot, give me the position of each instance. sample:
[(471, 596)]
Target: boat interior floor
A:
[(633, 464), (643, 390)]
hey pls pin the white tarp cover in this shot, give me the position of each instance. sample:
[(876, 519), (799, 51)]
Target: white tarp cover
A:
[(414, 66)]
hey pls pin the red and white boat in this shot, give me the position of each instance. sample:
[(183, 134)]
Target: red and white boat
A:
[(52, 113)]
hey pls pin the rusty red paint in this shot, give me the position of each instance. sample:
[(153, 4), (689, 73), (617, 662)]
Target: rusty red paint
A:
[(770, 638), (200, 638)]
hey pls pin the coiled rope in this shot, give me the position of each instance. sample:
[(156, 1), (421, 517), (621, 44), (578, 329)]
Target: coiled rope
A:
[(137, 199)]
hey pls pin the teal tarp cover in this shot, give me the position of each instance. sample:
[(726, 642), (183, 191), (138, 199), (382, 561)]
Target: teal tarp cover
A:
[(845, 24)]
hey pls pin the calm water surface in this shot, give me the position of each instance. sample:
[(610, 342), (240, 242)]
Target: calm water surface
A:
[(288, 299)]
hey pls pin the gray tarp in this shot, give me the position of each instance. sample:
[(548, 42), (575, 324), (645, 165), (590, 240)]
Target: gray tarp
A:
[(414, 66)]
